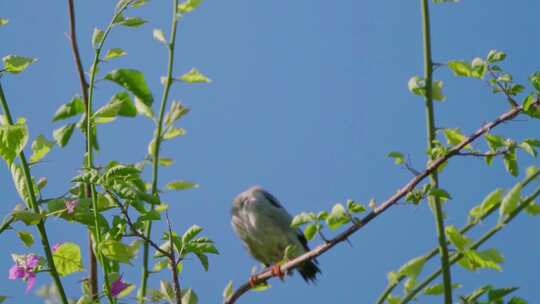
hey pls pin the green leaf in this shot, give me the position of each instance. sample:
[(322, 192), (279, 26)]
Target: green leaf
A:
[(181, 185), (527, 147), (133, 81), (203, 259), (413, 267), (473, 260), (460, 68), (228, 291), (454, 137), (302, 219), (63, 134), (489, 202), (114, 53), (531, 106), (3, 22), (19, 180), (189, 296), (494, 141), (517, 300), (166, 162), (535, 80), (194, 76), (67, 258), (417, 86), (160, 265), (27, 217), (97, 38), (13, 139), (26, 237), (438, 289), (119, 105), (70, 109), (459, 240), (117, 251), (40, 147), (174, 132), (310, 231), (176, 111), (355, 207), (439, 193), (143, 109), (139, 3), (188, 6), (495, 56), (510, 201), (510, 162), (533, 209), (192, 232), (159, 36), (398, 157), (261, 287), (132, 22), (337, 217), (16, 64)]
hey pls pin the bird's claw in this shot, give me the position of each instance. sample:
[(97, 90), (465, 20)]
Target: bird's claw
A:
[(253, 281), (276, 271)]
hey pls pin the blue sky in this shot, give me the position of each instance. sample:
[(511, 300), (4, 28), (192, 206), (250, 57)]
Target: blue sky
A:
[(307, 99)]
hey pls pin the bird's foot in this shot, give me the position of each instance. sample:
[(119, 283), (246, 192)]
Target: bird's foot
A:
[(276, 271), (253, 281)]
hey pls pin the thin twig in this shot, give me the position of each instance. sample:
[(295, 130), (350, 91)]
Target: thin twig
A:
[(487, 154), (402, 192), (173, 264)]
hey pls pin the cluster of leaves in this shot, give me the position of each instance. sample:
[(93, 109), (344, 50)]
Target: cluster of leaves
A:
[(333, 219)]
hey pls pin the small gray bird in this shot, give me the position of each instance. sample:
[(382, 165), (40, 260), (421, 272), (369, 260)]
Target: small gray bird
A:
[(264, 227)]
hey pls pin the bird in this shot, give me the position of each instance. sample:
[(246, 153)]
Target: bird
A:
[(264, 227)]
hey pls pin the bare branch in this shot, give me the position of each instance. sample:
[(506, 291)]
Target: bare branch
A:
[(402, 192)]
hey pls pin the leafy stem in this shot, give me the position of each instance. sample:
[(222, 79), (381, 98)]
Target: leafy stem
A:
[(434, 201), (409, 296), (35, 207), (463, 230), (90, 148), (157, 140)]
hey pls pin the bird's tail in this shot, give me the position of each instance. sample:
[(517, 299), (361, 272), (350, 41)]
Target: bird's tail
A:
[(309, 271)]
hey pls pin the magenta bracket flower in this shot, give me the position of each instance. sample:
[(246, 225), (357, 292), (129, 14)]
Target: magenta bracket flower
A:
[(70, 205), (118, 286), (25, 268)]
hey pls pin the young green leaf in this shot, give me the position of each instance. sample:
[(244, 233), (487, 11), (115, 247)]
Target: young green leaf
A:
[(455, 137), (119, 105), (117, 251), (16, 64), (132, 22), (399, 158), (63, 134), (459, 240), (535, 80), (70, 109), (533, 209), (192, 232), (473, 260), (355, 207), (189, 296), (159, 36), (302, 219), (143, 109), (26, 237), (337, 217), (417, 86), (114, 53), (310, 231), (181, 185), (188, 6), (133, 81), (174, 132), (438, 289), (40, 147), (228, 291), (97, 38), (510, 201), (495, 56), (439, 193), (194, 76), (489, 202), (67, 258), (13, 139), (3, 21), (27, 217), (510, 162)]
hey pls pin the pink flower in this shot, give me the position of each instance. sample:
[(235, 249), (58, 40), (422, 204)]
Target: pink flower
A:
[(118, 286), (56, 246), (25, 270), (70, 205)]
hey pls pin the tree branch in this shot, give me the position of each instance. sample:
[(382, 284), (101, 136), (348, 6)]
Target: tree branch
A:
[(402, 192)]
